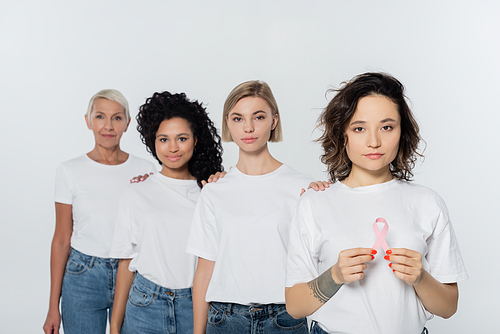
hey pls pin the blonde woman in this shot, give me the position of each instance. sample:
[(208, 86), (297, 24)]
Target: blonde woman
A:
[(241, 225)]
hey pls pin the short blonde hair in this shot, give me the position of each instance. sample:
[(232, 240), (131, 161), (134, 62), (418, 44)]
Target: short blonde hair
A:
[(252, 88), (111, 95)]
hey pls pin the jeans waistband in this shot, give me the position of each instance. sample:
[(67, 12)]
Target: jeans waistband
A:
[(315, 328), (90, 260), (257, 309), (160, 290)]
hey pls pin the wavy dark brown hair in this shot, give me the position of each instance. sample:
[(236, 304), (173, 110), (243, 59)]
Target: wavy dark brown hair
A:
[(336, 116), (207, 154)]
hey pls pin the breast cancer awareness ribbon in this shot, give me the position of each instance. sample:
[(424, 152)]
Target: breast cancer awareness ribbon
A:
[(380, 235)]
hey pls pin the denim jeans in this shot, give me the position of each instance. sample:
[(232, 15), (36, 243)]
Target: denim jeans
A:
[(253, 319), (152, 308), (317, 330), (88, 291)]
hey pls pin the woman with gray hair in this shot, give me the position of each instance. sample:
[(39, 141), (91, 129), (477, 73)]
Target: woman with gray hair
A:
[(87, 192)]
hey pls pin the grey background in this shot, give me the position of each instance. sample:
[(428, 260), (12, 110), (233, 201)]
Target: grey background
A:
[(56, 54)]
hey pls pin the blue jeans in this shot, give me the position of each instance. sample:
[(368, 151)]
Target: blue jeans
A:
[(253, 319), (317, 330), (152, 308), (88, 291)]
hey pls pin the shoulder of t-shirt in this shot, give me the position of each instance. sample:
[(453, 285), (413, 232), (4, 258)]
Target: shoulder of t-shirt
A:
[(230, 176), (288, 171), (419, 190), (142, 162), (131, 190), (312, 195), (75, 162)]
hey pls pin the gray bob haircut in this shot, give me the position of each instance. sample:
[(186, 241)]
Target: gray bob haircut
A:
[(111, 95), (254, 88)]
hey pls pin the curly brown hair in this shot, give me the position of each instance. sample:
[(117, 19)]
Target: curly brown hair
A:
[(336, 116), (207, 154)]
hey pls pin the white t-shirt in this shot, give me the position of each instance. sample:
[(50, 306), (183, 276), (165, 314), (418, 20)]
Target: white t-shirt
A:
[(153, 223), (242, 222), (93, 190), (339, 218)]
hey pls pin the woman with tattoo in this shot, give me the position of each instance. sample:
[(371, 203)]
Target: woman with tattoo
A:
[(370, 144), (241, 225)]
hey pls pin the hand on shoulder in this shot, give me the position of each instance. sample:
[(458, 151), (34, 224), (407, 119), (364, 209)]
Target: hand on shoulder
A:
[(140, 178)]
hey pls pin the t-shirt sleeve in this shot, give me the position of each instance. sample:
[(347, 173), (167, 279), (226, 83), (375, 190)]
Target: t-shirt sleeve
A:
[(64, 186), (302, 263), (123, 244), (443, 256), (203, 240), (152, 168)]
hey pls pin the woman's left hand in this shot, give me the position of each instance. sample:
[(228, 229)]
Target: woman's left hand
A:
[(406, 264)]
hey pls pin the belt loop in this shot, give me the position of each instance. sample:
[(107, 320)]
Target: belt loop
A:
[(270, 310), (157, 292), (92, 260), (312, 325), (229, 308)]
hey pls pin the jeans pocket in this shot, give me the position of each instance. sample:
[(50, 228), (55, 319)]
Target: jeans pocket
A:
[(216, 317), (283, 320), (140, 298), (76, 266)]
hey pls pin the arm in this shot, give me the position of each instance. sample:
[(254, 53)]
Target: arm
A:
[(124, 280), (61, 244), (303, 299), (201, 280), (438, 298)]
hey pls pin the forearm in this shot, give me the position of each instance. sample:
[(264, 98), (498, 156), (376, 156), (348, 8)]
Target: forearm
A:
[(438, 298), (303, 299), (201, 281), (59, 256), (200, 308), (124, 280)]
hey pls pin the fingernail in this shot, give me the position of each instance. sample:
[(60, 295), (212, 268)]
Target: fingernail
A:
[(388, 252), (390, 265), (393, 270), (372, 257), (373, 251), (387, 257)]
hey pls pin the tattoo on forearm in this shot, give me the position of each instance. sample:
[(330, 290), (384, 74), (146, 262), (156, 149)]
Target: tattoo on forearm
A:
[(324, 287)]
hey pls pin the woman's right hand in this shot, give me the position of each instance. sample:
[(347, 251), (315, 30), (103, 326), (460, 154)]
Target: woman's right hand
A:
[(53, 322), (351, 264), (140, 178)]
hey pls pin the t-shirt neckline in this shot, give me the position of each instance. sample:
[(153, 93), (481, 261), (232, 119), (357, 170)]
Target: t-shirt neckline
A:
[(108, 166), (276, 171), (168, 180), (370, 188)]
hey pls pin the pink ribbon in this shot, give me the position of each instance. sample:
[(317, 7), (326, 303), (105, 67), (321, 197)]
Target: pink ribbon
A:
[(380, 235)]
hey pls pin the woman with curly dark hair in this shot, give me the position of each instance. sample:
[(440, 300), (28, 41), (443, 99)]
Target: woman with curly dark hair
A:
[(155, 274), (370, 144)]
